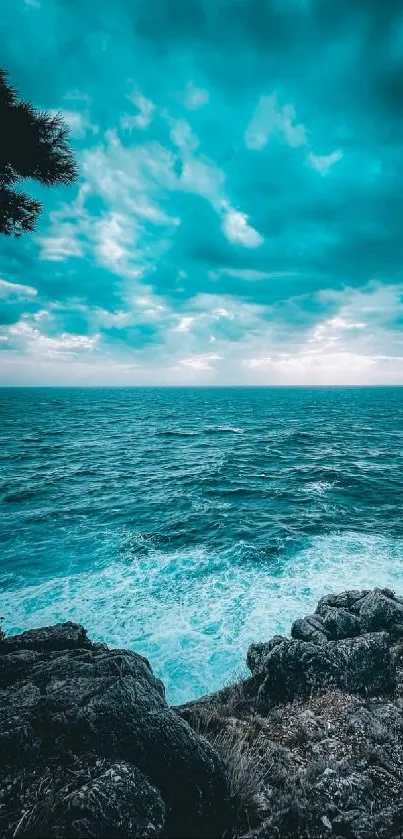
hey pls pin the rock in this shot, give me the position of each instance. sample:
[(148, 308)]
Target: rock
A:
[(349, 825), (357, 612), (97, 800), (365, 665), (295, 668), (339, 623), (350, 614), (75, 702), (331, 625), (62, 636), (380, 610), (311, 744), (323, 713), (349, 600), (361, 665), (258, 653), (309, 629)]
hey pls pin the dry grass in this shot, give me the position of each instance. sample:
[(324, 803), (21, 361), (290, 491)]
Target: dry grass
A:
[(247, 774)]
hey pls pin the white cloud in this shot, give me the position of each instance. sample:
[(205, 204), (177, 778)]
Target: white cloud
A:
[(69, 229), (201, 176), (79, 122), (250, 274), (182, 136), (324, 162), (294, 133), (78, 96), (200, 362), (40, 315), (219, 340), (58, 248), (31, 340), (8, 290), (221, 312), (354, 346), (184, 324), (331, 330), (195, 97), (238, 231), (253, 363), (118, 320), (133, 181), (115, 238), (145, 108), (330, 367), (270, 118)]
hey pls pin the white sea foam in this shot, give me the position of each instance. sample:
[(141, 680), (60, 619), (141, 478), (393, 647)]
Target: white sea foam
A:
[(194, 613), (222, 429)]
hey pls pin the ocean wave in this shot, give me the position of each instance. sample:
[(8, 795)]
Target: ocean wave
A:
[(223, 429), (193, 613), (170, 515), (176, 432), (19, 495)]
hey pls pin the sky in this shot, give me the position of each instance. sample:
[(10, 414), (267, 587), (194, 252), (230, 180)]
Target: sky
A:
[(238, 219)]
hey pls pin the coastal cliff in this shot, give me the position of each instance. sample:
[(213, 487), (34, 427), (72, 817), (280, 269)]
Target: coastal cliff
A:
[(310, 745)]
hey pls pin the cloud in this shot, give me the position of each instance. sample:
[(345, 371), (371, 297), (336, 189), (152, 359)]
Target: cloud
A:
[(323, 163), (25, 336), (238, 231), (240, 190), (195, 97), (200, 362), (184, 324), (9, 290), (79, 122), (145, 109), (270, 118)]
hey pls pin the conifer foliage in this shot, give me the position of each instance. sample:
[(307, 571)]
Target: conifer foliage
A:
[(33, 145)]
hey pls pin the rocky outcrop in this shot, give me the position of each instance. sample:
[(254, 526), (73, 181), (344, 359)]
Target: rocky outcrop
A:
[(309, 745), (89, 747), (322, 716), (350, 614), (289, 669)]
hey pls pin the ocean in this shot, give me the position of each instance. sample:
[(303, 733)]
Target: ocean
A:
[(186, 523)]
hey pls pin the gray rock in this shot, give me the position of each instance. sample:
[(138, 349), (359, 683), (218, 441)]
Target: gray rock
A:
[(365, 665), (95, 800), (62, 636), (349, 600), (258, 653), (362, 665), (311, 628), (76, 702), (380, 610), (340, 623), (331, 625), (295, 668)]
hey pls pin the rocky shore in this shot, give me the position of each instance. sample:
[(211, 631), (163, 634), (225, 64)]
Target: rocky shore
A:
[(309, 745)]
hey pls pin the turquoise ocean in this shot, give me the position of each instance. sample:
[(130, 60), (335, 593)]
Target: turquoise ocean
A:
[(186, 523)]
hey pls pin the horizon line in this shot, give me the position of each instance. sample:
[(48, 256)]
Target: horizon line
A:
[(194, 386)]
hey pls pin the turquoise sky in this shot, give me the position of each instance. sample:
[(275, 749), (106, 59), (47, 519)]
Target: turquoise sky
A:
[(239, 213)]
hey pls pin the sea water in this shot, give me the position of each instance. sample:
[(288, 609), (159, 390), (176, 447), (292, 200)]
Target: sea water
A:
[(186, 523)]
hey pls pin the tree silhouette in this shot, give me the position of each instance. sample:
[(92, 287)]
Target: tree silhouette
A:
[(33, 144)]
